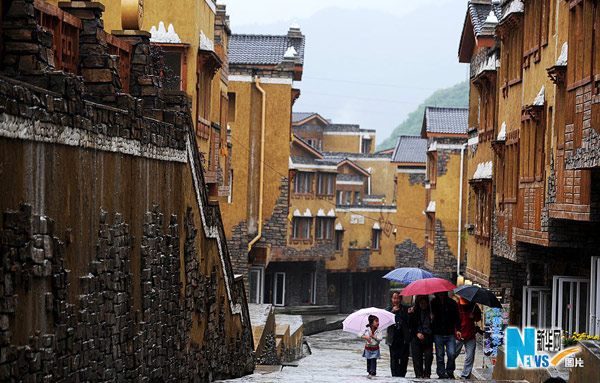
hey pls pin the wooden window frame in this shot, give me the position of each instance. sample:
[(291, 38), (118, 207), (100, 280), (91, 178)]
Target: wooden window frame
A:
[(483, 211), (533, 153), (329, 186), (338, 238), (511, 168), (306, 178), (182, 50), (301, 228), (376, 239), (324, 228), (430, 228), (432, 168), (511, 34)]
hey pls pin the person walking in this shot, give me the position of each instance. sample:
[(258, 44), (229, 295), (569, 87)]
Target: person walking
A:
[(371, 352), (446, 329), (469, 315), (421, 337), (398, 337)]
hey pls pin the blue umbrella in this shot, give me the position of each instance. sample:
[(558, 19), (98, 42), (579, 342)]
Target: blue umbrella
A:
[(408, 275)]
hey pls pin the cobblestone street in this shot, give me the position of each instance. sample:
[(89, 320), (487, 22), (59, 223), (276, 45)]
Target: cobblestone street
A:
[(336, 357)]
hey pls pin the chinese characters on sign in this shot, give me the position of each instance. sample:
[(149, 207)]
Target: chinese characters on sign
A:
[(357, 219), (548, 340), (496, 321)]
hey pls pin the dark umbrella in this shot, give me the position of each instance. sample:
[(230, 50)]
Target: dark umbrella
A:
[(477, 294)]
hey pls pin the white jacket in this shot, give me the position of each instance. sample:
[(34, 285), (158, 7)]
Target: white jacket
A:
[(378, 335)]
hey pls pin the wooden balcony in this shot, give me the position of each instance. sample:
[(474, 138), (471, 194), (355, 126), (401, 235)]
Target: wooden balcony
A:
[(123, 49)]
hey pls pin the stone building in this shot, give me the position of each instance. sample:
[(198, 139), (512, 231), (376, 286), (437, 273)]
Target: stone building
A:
[(445, 130), (115, 262), (540, 203), (410, 158), (262, 71)]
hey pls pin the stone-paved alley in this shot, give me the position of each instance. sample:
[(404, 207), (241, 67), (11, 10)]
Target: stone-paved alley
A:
[(336, 357)]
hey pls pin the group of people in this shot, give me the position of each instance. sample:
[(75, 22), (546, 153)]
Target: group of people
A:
[(443, 322)]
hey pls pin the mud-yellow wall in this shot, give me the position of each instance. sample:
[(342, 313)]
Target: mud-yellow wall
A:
[(341, 143), (363, 234), (382, 178), (410, 206), (246, 141)]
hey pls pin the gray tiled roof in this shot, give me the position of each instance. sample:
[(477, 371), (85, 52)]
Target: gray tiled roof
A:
[(411, 149), (479, 13), (446, 120), (262, 49), (300, 160), (349, 177), (356, 156), (301, 116)]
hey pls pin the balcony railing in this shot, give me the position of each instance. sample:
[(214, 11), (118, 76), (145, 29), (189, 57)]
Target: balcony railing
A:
[(65, 35), (122, 49)]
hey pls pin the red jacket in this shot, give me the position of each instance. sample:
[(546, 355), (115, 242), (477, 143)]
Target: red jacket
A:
[(467, 324)]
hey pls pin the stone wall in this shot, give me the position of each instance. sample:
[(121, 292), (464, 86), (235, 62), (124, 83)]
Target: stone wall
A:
[(444, 262), (409, 254), (417, 178), (115, 267)]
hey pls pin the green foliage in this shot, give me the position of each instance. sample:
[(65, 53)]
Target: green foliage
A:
[(458, 96)]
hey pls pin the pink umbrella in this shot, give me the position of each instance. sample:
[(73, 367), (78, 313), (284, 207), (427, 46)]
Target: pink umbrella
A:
[(427, 286), (357, 321)]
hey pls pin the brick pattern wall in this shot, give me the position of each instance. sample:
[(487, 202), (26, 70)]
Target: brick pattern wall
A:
[(104, 336), (588, 155), (501, 245)]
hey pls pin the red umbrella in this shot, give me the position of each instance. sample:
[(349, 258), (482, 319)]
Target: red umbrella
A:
[(427, 286)]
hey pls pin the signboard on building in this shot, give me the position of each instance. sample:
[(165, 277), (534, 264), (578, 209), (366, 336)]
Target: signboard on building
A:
[(357, 219)]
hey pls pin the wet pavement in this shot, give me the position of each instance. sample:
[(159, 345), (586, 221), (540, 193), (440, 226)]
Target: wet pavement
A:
[(337, 357)]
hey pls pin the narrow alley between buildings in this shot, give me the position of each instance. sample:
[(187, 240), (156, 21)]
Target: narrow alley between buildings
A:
[(336, 357)]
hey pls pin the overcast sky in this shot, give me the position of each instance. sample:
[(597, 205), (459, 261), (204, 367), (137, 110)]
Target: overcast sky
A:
[(369, 63)]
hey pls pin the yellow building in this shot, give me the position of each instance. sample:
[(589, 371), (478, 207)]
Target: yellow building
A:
[(262, 71), (410, 159), (192, 49), (353, 194), (446, 132)]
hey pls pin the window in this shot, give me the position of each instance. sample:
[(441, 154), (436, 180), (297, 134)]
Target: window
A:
[(432, 167), (255, 282), (537, 24), (532, 155), (174, 67), (309, 288), (483, 191), (301, 228), (366, 145), (511, 167), (231, 111), (376, 238), (325, 183), (348, 197), (339, 237), (303, 183), (487, 106), (324, 228), (340, 197), (357, 200), (430, 227), (584, 28), (511, 36), (279, 289), (205, 70)]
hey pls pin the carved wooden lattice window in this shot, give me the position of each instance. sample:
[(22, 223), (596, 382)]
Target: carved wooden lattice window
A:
[(583, 28), (486, 85)]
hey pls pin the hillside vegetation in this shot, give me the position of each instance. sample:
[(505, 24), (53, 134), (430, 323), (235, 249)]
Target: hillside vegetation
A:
[(458, 95)]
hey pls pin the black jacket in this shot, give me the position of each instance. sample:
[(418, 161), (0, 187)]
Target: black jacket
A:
[(446, 317), (420, 322), (398, 333)]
